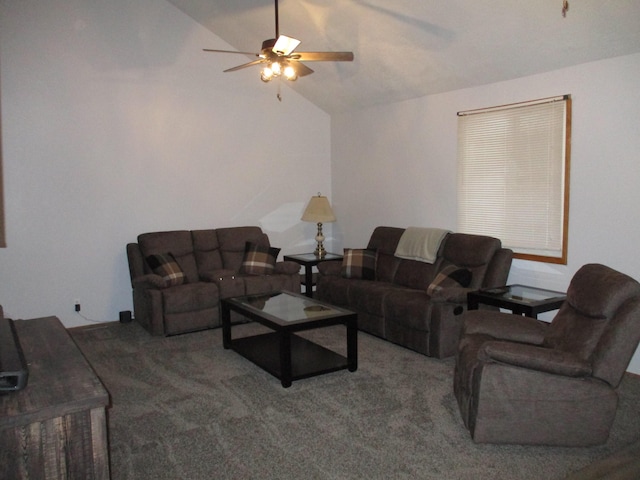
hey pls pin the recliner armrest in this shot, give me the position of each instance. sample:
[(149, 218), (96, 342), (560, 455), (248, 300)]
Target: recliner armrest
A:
[(149, 281), (535, 358), (330, 268), (287, 267), (450, 295), (504, 326)]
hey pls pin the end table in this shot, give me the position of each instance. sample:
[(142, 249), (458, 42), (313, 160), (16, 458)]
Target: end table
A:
[(308, 261), (520, 299)]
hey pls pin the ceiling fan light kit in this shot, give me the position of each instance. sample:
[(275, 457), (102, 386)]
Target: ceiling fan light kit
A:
[(277, 55)]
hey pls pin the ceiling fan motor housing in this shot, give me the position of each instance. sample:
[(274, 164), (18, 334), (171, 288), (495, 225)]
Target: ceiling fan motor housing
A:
[(268, 44)]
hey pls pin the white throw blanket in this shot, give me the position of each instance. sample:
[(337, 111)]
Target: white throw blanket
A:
[(420, 244)]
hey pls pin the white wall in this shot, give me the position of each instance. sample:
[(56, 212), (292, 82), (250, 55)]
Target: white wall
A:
[(116, 123), (396, 165)]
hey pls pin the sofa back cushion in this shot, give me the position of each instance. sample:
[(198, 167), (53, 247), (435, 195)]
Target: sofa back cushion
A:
[(178, 243), (474, 252), (207, 251), (385, 240), (416, 274), (233, 241)]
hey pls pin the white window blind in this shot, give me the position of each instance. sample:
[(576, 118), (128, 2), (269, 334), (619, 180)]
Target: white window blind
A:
[(513, 176)]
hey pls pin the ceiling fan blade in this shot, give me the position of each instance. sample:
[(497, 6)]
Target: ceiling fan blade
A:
[(230, 51), (245, 65), (302, 70), (323, 56)]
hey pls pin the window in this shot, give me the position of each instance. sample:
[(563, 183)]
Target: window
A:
[(513, 176)]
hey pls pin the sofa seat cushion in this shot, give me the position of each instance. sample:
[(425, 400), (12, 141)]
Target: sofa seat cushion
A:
[(408, 307), (368, 295), (334, 289), (190, 297)]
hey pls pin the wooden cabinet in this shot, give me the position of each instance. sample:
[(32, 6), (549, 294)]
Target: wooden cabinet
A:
[(56, 427)]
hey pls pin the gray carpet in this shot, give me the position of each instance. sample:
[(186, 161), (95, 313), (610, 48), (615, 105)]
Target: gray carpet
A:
[(185, 408)]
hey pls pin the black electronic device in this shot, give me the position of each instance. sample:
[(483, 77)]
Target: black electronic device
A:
[(13, 367)]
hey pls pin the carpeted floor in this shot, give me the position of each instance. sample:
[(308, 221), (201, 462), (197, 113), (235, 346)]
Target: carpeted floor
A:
[(185, 408)]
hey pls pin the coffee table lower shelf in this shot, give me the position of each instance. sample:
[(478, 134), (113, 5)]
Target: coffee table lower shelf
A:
[(308, 359)]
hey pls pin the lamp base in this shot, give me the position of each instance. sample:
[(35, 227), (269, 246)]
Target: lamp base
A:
[(320, 252)]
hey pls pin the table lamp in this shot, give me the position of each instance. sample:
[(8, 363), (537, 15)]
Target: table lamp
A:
[(319, 211)]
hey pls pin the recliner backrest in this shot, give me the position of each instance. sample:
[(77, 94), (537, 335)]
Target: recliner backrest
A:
[(474, 252), (207, 250), (599, 321), (232, 242), (178, 243), (385, 240)]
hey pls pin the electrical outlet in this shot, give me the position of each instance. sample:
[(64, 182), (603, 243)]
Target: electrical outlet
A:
[(76, 303)]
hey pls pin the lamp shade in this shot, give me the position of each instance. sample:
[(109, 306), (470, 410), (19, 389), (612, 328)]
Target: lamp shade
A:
[(318, 210)]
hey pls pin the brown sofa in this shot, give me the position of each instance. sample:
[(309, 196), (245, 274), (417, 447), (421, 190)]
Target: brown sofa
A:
[(520, 380), (210, 268), (395, 305)]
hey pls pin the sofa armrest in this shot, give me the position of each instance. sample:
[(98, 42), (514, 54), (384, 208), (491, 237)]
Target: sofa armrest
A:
[(451, 295), (536, 358), (287, 267), (330, 268), (504, 326), (149, 281)]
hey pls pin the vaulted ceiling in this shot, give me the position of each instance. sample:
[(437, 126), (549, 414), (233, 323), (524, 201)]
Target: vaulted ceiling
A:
[(411, 48)]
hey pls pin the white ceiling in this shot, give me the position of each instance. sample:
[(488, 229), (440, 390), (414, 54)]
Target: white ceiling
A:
[(411, 48)]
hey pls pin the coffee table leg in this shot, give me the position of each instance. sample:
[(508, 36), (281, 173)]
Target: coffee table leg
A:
[(225, 312), (352, 344), (285, 359)]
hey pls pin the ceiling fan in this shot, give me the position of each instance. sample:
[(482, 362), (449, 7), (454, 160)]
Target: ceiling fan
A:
[(280, 58)]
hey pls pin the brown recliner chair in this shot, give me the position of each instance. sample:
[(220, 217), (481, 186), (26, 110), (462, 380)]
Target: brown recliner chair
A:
[(519, 380)]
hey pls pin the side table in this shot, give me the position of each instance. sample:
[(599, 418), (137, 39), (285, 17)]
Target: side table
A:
[(520, 299), (308, 261)]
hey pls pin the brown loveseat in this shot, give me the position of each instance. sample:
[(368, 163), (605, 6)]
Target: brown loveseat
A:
[(211, 264), (395, 304)]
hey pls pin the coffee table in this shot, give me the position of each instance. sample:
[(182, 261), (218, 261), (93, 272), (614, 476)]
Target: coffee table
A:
[(520, 299), (280, 352)]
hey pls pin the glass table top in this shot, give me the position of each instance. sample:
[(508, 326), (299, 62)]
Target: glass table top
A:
[(523, 293), (287, 307), (310, 257)]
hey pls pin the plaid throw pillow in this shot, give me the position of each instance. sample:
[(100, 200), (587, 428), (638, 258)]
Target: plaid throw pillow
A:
[(359, 263), (259, 259), (450, 276), (167, 267)]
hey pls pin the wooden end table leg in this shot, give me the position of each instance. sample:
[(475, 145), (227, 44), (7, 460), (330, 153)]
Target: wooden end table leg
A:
[(308, 280)]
